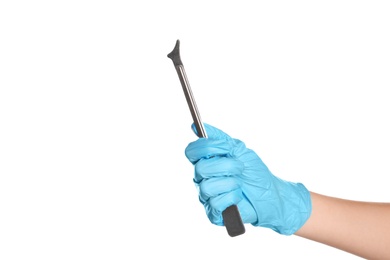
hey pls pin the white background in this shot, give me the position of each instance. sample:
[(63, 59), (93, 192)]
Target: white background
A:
[(93, 121)]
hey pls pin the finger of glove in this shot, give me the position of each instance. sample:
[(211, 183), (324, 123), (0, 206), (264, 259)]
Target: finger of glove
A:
[(247, 213), (206, 148), (217, 167), (212, 132), (214, 187), (221, 202)]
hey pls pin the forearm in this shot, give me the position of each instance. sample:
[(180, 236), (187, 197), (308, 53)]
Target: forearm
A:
[(360, 228)]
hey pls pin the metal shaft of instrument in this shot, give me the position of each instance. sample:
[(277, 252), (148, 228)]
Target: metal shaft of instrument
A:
[(201, 132)]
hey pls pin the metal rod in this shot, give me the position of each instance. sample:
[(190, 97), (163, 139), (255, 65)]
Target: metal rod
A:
[(175, 56)]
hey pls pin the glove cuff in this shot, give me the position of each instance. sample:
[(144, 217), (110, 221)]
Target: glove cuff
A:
[(288, 211), (299, 209)]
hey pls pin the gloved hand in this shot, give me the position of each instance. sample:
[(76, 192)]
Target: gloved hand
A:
[(228, 173)]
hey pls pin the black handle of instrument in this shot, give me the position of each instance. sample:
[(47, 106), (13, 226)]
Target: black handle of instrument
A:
[(232, 221)]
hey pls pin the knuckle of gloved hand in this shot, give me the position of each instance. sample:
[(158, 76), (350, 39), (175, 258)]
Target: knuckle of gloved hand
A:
[(204, 192), (198, 149), (191, 153), (203, 169)]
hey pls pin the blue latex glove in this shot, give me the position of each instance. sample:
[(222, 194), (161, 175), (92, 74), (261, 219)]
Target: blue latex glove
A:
[(228, 173)]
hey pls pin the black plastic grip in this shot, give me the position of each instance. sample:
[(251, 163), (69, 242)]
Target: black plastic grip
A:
[(233, 222)]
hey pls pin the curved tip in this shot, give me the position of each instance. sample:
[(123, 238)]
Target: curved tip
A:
[(175, 54)]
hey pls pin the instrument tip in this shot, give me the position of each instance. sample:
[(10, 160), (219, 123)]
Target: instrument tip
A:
[(175, 54)]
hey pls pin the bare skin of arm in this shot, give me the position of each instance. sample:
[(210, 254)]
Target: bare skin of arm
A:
[(360, 228)]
